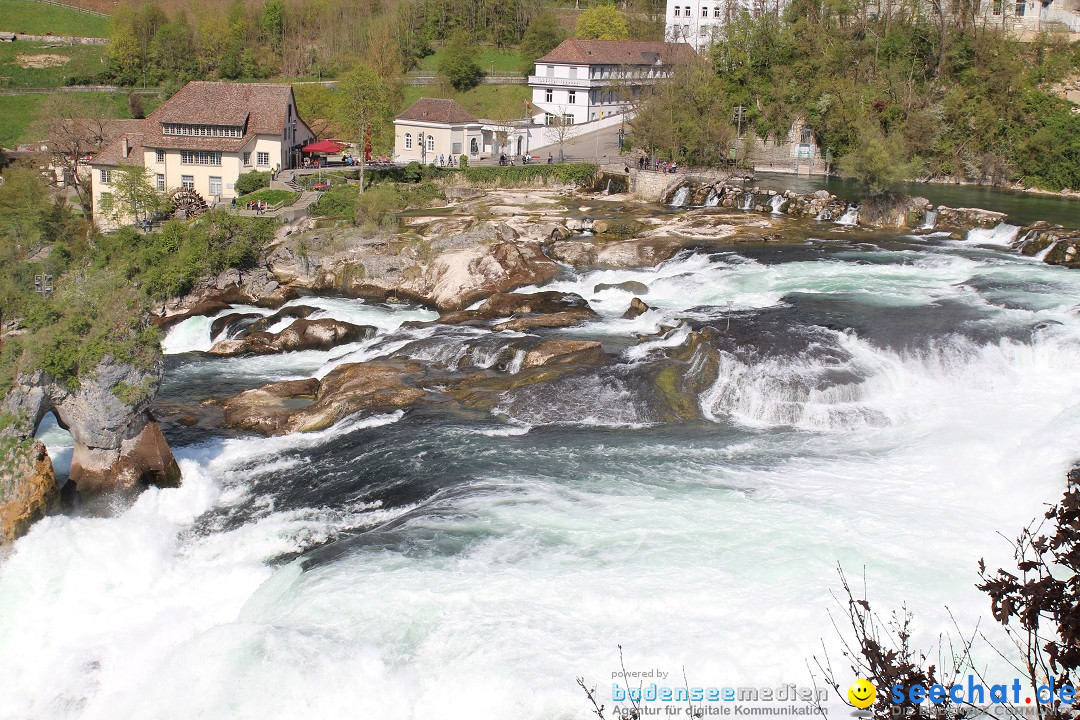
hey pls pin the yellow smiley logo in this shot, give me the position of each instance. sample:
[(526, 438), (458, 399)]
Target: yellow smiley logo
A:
[(861, 693)]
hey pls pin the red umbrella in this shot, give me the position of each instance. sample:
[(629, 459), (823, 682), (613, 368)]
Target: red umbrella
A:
[(323, 146)]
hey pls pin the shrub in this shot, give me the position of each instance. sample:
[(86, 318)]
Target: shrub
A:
[(569, 174), (249, 182), (377, 208)]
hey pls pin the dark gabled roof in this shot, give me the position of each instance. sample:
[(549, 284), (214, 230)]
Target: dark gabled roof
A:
[(437, 110), (616, 52)]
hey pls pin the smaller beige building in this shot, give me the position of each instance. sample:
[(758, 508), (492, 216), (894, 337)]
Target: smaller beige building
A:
[(203, 138), (436, 128)]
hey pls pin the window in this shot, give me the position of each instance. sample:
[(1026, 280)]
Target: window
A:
[(431, 143), (549, 96), (997, 7), (160, 183), (247, 159), (573, 73), (474, 149), (549, 119), (187, 181), (215, 186), (408, 141), (551, 71), (704, 11), (199, 157), (106, 177), (202, 130), (678, 8), (571, 97), (161, 156), (1021, 7), (262, 158), (457, 149), (716, 11)]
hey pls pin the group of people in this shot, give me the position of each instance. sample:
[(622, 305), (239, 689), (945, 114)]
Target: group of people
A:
[(447, 162), (259, 206), (525, 159), (657, 165)]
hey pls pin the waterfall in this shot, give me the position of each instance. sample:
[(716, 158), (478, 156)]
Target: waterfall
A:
[(680, 197), (930, 222), (1041, 255), (850, 216), (748, 201), (607, 188), (713, 200), (776, 202), (1002, 235)]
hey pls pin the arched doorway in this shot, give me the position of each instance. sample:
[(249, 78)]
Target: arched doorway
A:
[(519, 146)]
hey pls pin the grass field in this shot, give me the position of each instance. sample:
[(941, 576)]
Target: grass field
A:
[(483, 101), (20, 120), (25, 65), (489, 59), (34, 18)]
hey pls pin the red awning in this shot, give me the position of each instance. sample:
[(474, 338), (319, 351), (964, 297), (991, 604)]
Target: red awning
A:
[(323, 146)]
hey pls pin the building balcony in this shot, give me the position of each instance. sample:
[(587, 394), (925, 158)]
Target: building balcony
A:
[(561, 82)]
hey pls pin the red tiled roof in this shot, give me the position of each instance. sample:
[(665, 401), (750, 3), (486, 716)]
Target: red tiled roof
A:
[(616, 52), (260, 105), (437, 110)]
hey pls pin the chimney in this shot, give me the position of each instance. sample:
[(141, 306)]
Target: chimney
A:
[(125, 147)]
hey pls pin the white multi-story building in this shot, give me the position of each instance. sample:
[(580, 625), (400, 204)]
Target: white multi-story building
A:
[(203, 138), (698, 22), (585, 80)]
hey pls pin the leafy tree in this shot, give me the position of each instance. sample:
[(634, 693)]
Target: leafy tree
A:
[(541, 37), (878, 161), (172, 51), (364, 113), (458, 62), (603, 22), (133, 195)]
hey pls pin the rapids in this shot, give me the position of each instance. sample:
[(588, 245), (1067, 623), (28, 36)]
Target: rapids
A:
[(889, 403)]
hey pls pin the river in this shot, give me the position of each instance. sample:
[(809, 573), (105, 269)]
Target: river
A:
[(885, 402)]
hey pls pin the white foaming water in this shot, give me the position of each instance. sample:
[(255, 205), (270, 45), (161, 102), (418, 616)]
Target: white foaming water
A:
[(850, 216), (776, 203), (712, 551), (1001, 235), (680, 197), (712, 200), (930, 222), (748, 201), (193, 334)]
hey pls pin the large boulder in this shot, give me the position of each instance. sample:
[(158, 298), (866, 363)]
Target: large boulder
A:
[(118, 443), (559, 352), (301, 335), (28, 487), (347, 390), (502, 305), (638, 252)]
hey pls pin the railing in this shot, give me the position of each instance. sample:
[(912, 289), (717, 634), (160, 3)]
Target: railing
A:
[(72, 7), (571, 82)]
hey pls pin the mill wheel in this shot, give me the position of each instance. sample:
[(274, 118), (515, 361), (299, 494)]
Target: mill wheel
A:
[(186, 203)]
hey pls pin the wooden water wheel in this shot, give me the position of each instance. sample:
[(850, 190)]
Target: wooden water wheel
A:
[(186, 203)]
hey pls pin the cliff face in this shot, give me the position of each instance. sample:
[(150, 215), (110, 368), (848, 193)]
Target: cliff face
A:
[(27, 486), (118, 443)]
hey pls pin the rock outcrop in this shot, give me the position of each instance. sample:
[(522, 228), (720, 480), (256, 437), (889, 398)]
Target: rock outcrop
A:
[(559, 352), (300, 335), (28, 488), (118, 443), (347, 390), (542, 309)]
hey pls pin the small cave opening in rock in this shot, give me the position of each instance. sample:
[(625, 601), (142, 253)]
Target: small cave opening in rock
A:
[(60, 445)]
